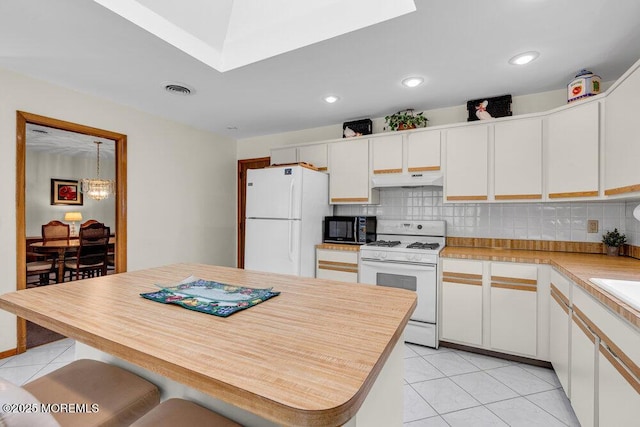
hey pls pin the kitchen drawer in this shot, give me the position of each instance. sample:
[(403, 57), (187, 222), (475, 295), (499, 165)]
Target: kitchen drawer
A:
[(337, 265)]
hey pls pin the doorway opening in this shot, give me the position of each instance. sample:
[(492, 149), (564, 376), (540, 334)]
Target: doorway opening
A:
[(243, 166), (120, 255)]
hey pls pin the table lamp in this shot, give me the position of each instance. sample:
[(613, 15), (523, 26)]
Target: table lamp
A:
[(73, 217)]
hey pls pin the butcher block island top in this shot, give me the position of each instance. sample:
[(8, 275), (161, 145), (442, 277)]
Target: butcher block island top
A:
[(307, 357)]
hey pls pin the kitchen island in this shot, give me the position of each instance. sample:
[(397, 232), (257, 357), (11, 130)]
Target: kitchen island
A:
[(322, 353)]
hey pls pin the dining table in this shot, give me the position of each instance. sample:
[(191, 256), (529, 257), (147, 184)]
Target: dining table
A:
[(62, 249), (320, 353)]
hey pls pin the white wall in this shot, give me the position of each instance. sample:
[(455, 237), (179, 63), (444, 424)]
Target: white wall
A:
[(41, 167), (259, 146), (534, 103), (181, 181)]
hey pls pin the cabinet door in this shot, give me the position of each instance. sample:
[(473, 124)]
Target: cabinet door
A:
[(387, 154), (349, 178), (572, 155), (315, 155), (514, 308), (618, 391), (423, 151), (559, 329), (583, 371), (462, 302), (337, 265), (467, 156), (284, 155), (518, 160), (622, 138)]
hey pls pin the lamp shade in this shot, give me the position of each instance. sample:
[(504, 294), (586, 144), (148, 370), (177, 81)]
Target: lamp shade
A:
[(73, 216)]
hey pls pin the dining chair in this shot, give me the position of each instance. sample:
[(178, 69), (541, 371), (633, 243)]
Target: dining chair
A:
[(91, 259), (41, 268), (89, 222), (55, 230), (45, 265)]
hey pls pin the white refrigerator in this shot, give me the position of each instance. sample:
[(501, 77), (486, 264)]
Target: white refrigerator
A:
[(285, 210)]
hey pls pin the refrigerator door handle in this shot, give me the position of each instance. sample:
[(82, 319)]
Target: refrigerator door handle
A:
[(291, 199), (290, 240)]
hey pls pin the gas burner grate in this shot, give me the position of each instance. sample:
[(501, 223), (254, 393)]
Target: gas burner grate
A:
[(418, 245), (385, 243)]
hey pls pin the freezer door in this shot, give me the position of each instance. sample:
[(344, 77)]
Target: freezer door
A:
[(274, 193), (273, 246)]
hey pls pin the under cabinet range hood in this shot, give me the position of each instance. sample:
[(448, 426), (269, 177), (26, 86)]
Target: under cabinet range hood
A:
[(409, 179)]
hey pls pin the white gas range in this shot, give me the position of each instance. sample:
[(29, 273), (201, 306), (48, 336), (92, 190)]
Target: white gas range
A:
[(405, 255)]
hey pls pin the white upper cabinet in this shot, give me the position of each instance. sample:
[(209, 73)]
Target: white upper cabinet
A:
[(573, 152), (387, 154), (315, 155), (518, 160), (423, 151), (466, 172), (284, 155), (349, 181), (622, 137)]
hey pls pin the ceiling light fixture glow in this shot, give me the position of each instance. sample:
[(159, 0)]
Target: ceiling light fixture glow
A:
[(412, 81), (331, 99), (524, 58)]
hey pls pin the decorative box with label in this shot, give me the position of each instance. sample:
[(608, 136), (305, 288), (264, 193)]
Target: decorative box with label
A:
[(585, 84)]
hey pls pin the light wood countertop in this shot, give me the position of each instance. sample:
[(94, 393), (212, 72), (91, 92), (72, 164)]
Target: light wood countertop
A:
[(307, 357), (578, 267)]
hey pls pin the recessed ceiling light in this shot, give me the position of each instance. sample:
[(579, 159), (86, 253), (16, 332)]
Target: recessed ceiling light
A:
[(524, 58), (331, 99), (412, 81)]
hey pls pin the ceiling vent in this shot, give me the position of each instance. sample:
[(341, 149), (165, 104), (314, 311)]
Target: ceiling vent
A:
[(177, 89)]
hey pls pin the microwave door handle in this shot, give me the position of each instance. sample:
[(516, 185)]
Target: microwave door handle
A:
[(356, 238)]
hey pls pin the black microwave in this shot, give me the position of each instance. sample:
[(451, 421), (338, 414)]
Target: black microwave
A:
[(355, 230)]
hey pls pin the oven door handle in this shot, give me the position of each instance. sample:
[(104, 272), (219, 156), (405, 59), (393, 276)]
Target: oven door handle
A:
[(403, 265)]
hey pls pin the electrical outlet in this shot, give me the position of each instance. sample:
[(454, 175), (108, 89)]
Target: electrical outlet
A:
[(592, 226)]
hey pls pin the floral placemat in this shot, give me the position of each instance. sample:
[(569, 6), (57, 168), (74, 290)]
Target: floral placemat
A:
[(210, 297)]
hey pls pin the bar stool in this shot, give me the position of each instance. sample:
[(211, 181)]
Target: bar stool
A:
[(119, 396), (179, 412)]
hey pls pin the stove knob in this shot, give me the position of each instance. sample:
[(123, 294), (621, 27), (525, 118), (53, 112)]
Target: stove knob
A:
[(417, 257), (419, 226), (409, 256), (383, 255), (376, 255)]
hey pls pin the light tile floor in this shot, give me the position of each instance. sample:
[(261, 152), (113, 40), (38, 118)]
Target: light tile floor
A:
[(443, 387), (447, 387)]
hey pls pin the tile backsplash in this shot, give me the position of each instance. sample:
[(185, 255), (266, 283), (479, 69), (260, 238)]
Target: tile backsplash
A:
[(565, 221)]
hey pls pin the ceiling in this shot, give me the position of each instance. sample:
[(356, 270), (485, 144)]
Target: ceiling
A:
[(461, 48), (64, 143)]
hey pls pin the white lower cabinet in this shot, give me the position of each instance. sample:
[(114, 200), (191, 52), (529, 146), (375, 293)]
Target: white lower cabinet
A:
[(583, 371), (604, 376), (337, 264), (559, 329), (496, 306), (514, 308), (462, 301)]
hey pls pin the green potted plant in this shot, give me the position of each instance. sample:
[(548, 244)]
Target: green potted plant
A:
[(613, 240), (406, 119)]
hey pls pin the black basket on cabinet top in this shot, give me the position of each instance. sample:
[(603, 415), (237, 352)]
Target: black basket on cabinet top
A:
[(364, 127)]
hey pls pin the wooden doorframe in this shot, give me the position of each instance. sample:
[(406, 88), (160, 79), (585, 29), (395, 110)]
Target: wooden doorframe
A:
[(243, 166), (22, 118)]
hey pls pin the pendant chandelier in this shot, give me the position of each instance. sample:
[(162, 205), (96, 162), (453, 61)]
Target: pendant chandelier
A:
[(96, 188)]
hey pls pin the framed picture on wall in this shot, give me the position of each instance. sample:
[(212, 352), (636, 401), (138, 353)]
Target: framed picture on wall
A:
[(65, 192)]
